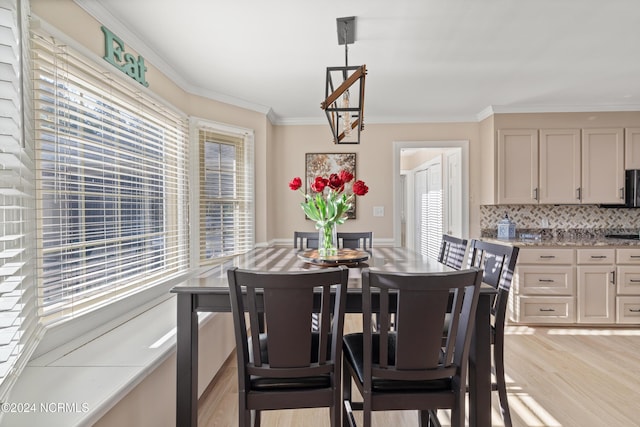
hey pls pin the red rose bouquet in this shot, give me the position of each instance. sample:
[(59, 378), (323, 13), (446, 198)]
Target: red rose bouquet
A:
[(330, 202)]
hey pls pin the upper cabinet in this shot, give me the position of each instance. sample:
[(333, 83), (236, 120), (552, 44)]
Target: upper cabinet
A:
[(602, 166), (517, 166), (632, 148), (561, 166)]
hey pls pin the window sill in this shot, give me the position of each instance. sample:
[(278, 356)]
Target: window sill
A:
[(79, 387)]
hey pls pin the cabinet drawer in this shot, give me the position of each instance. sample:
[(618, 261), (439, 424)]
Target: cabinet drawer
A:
[(551, 280), (628, 280), (545, 309), (545, 256), (628, 256), (596, 256), (628, 310)]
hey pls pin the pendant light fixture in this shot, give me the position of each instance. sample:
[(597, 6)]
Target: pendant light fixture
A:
[(344, 91)]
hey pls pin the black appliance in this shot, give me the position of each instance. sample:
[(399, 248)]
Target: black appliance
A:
[(623, 236), (631, 190)]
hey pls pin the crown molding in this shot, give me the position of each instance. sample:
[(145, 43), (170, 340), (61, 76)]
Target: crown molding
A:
[(104, 17), (502, 109), (486, 113)]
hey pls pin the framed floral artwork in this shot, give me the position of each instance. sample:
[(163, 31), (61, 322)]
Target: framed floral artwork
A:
[(324, 164)]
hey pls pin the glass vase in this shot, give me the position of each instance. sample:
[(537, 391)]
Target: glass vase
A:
[(327, 239)]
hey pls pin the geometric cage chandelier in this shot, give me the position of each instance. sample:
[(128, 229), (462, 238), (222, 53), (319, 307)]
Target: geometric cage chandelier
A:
[(344, 91)]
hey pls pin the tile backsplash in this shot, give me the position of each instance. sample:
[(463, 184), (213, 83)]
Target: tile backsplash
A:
[(560, 218)]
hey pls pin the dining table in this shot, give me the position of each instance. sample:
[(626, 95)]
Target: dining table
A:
[(208, 291)]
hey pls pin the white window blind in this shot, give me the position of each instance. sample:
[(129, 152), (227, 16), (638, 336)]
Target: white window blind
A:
[(226, 194), (18, 315), (428, 206), (112, 184)]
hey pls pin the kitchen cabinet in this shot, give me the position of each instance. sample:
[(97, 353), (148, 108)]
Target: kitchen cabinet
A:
[(628, 286), (602, 166), (553, 166), (632, 148), (559, 166), (543, 287), (517, 166), (596, 287)]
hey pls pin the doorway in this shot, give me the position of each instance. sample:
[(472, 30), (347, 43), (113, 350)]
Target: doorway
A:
[(430, 193)]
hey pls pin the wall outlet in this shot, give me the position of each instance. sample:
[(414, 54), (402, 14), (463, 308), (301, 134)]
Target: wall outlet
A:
[(378, 211)]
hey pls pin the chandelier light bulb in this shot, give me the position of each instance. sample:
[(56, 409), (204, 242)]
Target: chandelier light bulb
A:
[(347, 115)]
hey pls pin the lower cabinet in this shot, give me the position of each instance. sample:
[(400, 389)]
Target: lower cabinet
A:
[(628, 310), (599, 286), (628, 286), (545, 309), (543, 287)]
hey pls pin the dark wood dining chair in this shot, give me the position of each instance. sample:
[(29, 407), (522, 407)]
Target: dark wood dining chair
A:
[(498, 263), (402, 365), (452, 251), (305, 239), (355, 240), (290, 365)]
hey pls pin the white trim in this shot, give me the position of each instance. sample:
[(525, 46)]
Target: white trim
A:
[(65, 336), (379, 242), (228, 129), (195, 124), (101, 373), (321, 120), (515, 109), (397, 188), (486, 113)]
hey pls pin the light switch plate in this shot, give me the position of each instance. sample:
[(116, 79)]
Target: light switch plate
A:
[(378, 211)]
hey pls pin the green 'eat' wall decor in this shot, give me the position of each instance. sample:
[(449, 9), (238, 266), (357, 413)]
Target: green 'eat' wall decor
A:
[(127, 63)]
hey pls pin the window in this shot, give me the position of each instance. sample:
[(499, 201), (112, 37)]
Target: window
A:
[(226, 194), (112, 184), (18, 317)]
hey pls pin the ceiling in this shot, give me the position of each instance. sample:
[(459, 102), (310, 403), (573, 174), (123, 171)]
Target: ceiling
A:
[(427, 60)]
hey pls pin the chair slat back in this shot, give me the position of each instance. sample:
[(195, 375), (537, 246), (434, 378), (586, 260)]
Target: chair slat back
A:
[(285, 301), (498, 263), (305, 240), (355, 240), (410, 347), (288, 319), (452, 251)]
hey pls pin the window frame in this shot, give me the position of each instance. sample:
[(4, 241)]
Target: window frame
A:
[(197, 124), (62, 337)]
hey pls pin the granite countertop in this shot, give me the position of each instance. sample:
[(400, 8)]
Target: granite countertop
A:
[(569, 242), (568, 238)]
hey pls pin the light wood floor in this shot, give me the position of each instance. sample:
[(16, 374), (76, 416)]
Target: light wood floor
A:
[(568, 377)]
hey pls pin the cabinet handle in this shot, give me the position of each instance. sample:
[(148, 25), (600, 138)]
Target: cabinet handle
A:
[(613, 277), (547, 309), (634, 310), (634, 256), (598, 256), (535, 193), (634, 280), (622, 193), (547, 256), (578, 193), (546, 280)]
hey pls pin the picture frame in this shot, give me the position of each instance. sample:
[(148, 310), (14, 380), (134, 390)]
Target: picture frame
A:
[(324, 164)]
